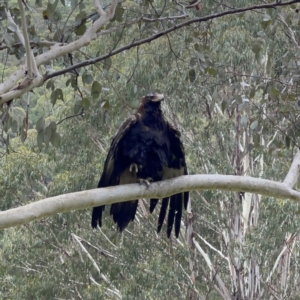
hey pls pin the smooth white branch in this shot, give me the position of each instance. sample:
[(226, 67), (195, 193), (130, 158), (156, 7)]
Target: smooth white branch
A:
[(99, 8), (294, 172), (90, 198), (222, 289), (56, 51), (31, 63)]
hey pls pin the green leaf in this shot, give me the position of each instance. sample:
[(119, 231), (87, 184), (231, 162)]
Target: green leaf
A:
[(287, 141), (14, 126), (53, 98), (254, 125), (267, 20), (56, 95), (55, 140), (87, 77), (107, 63), (118, 13), (85, 103), (47, 135), (224, 105), (52, 126), (56, 16), (81, 29), (80, 18), (59, 94), (211, 71), (96, 89), (49, 85), (274, 92), (197, 47), (257, 45), (77, 106), (192, 75), (40, 139), (252, 93), (40, 124), (74, 84)]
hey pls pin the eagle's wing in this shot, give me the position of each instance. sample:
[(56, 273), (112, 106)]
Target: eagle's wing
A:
[(176, 167), (112, 175)]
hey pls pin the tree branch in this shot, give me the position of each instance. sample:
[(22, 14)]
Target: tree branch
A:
[(294, 172), (56, 51), (91, 34), (32, 44), (90, 198), (31, 64), (162, 33), (292, 34), (222, 288), (99, 8), (77, 239), (285, 248)]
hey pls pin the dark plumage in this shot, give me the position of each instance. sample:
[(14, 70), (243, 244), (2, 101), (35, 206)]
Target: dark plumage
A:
[(145, 147)]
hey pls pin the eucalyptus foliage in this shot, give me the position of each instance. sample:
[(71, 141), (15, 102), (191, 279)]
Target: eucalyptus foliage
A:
[(231, 87)]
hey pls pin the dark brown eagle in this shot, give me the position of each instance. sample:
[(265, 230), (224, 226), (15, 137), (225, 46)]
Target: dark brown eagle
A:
[(145, 148)]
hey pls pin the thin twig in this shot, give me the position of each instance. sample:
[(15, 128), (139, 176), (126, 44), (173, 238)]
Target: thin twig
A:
[(72, 116)]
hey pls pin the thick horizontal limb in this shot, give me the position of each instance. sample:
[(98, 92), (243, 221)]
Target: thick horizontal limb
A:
[(96, 197)]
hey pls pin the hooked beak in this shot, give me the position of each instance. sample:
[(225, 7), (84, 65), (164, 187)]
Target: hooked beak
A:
[(158, 97)]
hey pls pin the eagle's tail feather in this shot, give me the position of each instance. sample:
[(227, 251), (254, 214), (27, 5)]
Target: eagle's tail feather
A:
[(123, 213), (153, 203), (97, 216), (162, 213)]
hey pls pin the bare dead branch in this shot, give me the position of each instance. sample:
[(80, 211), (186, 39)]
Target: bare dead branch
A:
[(291, 32), (212, 247), (285, 248), (77, 239), (224, 293)]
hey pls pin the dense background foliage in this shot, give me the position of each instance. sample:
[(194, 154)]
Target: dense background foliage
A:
[(231, 87)]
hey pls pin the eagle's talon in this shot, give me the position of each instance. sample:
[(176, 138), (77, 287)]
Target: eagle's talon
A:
[(133, 167), (146, 181)]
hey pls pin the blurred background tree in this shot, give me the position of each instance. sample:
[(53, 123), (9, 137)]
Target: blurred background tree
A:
[(231, 87)]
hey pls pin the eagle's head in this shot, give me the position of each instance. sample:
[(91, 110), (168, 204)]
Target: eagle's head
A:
[(151, 100)]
